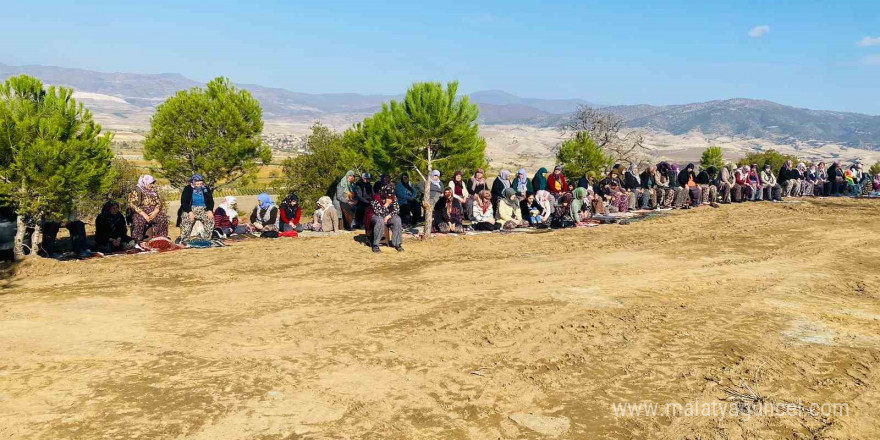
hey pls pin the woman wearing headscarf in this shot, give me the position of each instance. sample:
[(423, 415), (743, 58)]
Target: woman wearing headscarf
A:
[(687, 179), (648, 180), (724, 183), (754, 180), (436, 188), (821, 184), (196, 205), (408, 199), (509, 214), (741, 191), (522, 184), (665, 192), (482, 214), (324, 219), (291, 213), (385, 214), (539, 182), (264, 217), (344, 200), (226, 218), (611, 190), (459, 188), (111, 230), (806, 188), (812, 180), (384, 180), (562, 216), (448, 214), (147, 209), (363, 193), (501, 183), (547, 203), (556, 183), (709, 193), (581, 205), (637, 197), (477, 183), (836, 182)]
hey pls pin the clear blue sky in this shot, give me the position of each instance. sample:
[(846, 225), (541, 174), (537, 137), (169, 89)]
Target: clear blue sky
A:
[(605, 52)]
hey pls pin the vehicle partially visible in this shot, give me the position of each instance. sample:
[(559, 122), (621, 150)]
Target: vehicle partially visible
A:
[(8, 228)]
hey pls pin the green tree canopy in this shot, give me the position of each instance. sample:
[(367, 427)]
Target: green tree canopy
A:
[(712, 157), (773, 157), (580, 155), (53, 157), (431, 129), (316, 172), (213, 131), (875, 169)]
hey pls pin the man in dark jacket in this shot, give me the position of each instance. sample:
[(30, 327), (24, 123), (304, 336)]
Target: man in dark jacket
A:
[(363, 192), (196, 205)]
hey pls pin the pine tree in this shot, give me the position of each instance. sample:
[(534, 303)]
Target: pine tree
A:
[(213, 131), (53, 157), (580, 155), (712, 157), (430, 129)]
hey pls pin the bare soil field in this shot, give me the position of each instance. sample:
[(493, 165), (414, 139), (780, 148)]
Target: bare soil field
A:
[(523, 335)]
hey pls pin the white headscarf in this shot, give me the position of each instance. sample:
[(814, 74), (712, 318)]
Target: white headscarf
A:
[(227, 205)]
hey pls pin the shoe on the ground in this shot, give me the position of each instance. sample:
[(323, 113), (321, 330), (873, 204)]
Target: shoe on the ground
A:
[(376, 249), (85, 254), (714, 205), (399, 248)]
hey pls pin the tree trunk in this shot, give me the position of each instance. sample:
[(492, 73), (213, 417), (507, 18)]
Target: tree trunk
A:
[(429, 210), (18, 251), (37, 238)]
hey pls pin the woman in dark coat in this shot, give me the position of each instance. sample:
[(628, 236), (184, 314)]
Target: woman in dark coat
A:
[(111, 229)]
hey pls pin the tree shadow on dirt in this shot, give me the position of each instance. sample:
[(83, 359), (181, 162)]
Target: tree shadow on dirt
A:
[(7, 272)]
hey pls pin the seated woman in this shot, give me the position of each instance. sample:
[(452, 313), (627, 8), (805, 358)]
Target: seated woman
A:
[(755, 183), (562, 216), (812, 187), (852, 186), (638, 196), (264, 217), (522, 184), (531, 210), (291, 213), (501, 183), (482, 214), (459, 188), (147, 206), (111, 230), (448, 214), (385, 214), (611, 190), (196, 205), (475, 185), (547, 203), (408, 199), (665, 192), (687, 179), (806, 188), (583, 205), (226, 218), (325, 218), (509, 213), (708, 191)]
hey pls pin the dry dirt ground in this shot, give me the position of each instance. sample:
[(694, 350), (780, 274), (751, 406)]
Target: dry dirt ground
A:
[(494, 336)]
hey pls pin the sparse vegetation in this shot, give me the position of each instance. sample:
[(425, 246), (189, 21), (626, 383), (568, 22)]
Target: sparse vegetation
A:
[(580, 155), (773, 157)]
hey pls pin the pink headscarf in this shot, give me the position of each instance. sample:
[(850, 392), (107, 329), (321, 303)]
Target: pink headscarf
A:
[(143, 183)]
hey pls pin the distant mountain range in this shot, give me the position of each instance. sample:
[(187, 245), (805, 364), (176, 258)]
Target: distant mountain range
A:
[(122, 94)]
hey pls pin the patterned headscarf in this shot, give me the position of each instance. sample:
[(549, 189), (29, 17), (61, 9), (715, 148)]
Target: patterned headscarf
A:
[(144, 182)]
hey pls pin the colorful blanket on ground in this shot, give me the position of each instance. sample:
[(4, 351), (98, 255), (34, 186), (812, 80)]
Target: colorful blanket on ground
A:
[(160, 244)]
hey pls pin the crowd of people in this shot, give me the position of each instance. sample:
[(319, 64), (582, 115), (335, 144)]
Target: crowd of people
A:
[(384, 208)]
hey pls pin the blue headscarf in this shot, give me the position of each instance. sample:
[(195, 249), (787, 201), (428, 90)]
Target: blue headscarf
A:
[(197, 178), (265, 201)]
